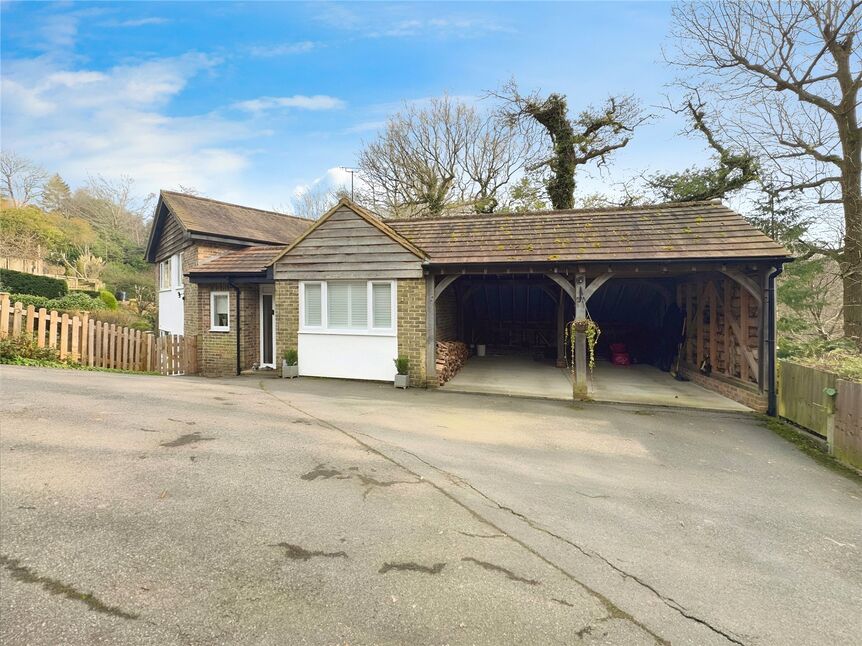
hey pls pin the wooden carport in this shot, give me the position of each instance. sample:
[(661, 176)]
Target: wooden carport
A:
[(722, 270)]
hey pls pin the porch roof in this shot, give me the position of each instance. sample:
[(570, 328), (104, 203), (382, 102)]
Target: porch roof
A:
[(249, 260), (672, 231)]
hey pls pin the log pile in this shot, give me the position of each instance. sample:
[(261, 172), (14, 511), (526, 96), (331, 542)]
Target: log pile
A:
[(451, 355)]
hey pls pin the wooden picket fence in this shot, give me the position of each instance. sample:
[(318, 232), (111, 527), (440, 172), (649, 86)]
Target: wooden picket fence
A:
[(89, 342)]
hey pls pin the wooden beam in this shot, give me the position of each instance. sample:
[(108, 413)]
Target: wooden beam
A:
[(563, 282), (430, 333), (597, 282), (441, 287), (727, 314), (580, 358), (748, 283), (750, 361), (742, 340)]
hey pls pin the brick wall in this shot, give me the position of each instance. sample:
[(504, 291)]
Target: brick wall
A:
[(217, 350), (411, 326), (731, 388), (286, 303), (446, 310)]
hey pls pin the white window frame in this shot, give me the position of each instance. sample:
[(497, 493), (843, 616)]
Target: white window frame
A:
[(177, 270), (213, 326), (369, 330), (167, 262)]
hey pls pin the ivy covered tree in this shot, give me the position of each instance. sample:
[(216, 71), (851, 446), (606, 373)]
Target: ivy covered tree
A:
[(733, 169), (594, 134)]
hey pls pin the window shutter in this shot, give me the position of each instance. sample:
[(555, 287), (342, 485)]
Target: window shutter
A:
[(337, 304), (312, 305), (359, 305), (381, 303)]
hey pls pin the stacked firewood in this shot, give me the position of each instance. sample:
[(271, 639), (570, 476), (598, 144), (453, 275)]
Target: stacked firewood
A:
[(451, 355)]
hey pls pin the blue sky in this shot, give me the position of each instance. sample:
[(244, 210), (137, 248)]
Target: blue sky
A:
[(251, 102)]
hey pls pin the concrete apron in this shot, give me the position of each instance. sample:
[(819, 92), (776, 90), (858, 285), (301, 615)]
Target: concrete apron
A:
[(644, 385)]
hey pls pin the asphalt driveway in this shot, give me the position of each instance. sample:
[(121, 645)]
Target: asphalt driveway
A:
[(141, 509)]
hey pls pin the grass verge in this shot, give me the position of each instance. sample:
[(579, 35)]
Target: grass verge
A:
[(809, 445), (46, 363)]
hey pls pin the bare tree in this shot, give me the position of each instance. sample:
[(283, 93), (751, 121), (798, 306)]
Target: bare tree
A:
[(785, 78), (22, 180), (446, 156), (315, 200), (593, 135)]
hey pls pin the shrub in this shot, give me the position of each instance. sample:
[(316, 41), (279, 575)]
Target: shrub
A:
[(24, 346), (291, 356), (108, 299), (123, 318), (72, 302), (401, 364), (19, 282)]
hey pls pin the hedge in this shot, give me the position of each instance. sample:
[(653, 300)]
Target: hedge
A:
[(21, 283)]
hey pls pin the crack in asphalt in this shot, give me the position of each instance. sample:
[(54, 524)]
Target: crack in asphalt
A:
[(668, 601), (613, 610)]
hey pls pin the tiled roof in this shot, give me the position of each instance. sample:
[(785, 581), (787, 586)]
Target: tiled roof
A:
[(240, 261), (673, 231), (211, 217)]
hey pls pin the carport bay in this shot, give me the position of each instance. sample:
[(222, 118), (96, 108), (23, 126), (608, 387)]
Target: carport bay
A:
[(512, 282), (521, 320)]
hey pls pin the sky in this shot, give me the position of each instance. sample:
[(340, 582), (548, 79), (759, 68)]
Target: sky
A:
[(252, 102)]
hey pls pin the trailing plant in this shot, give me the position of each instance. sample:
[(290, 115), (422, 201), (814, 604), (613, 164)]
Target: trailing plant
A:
[(592, 331), (291, 356), (401, 364)]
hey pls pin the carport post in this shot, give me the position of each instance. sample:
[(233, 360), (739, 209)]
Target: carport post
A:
[(580, 358), (430, 333)]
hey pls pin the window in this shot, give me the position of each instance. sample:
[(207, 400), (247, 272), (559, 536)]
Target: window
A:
[(177, 262), (381, 305), (165, 274), (313, 304), (220, 311), (349, 306)]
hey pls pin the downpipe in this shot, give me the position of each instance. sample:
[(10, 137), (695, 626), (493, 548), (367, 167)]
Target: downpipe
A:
[(772, 392)]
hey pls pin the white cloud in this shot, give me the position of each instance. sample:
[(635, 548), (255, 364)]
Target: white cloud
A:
[(138, 22), (333, 179), (298, 101), (385, 21), (283, 49), (110, 122)]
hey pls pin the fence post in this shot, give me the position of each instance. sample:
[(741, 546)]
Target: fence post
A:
[(149, 358), (4, 314), (64, 335), (112, 344), (42, 327), (17, 318), (85, 334), (53, 331), (75, 328), (31, 319), (91, 340)]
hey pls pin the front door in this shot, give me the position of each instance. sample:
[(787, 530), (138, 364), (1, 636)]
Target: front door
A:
[(267, 328)]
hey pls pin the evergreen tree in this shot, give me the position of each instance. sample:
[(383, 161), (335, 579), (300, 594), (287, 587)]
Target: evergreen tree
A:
[(55, 194)]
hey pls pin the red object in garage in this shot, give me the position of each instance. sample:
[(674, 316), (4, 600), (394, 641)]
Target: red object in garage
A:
[(619, 355)]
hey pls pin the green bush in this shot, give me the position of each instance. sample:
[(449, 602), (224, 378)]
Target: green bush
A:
[(401, 364), (24, 346), (72, 302), (19, 282), (108, 299), (291, 356)]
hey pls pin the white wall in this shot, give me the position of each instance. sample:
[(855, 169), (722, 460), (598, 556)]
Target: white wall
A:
[(348, 356), (171, 317)]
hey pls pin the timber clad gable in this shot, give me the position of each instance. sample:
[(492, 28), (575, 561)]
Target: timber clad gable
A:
[(346, 246), (173, 238)]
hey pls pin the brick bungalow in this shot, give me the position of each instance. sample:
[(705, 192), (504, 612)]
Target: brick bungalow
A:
[(351, 291)]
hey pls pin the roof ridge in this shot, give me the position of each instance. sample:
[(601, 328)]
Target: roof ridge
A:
[(242, 206), (598, 209)]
